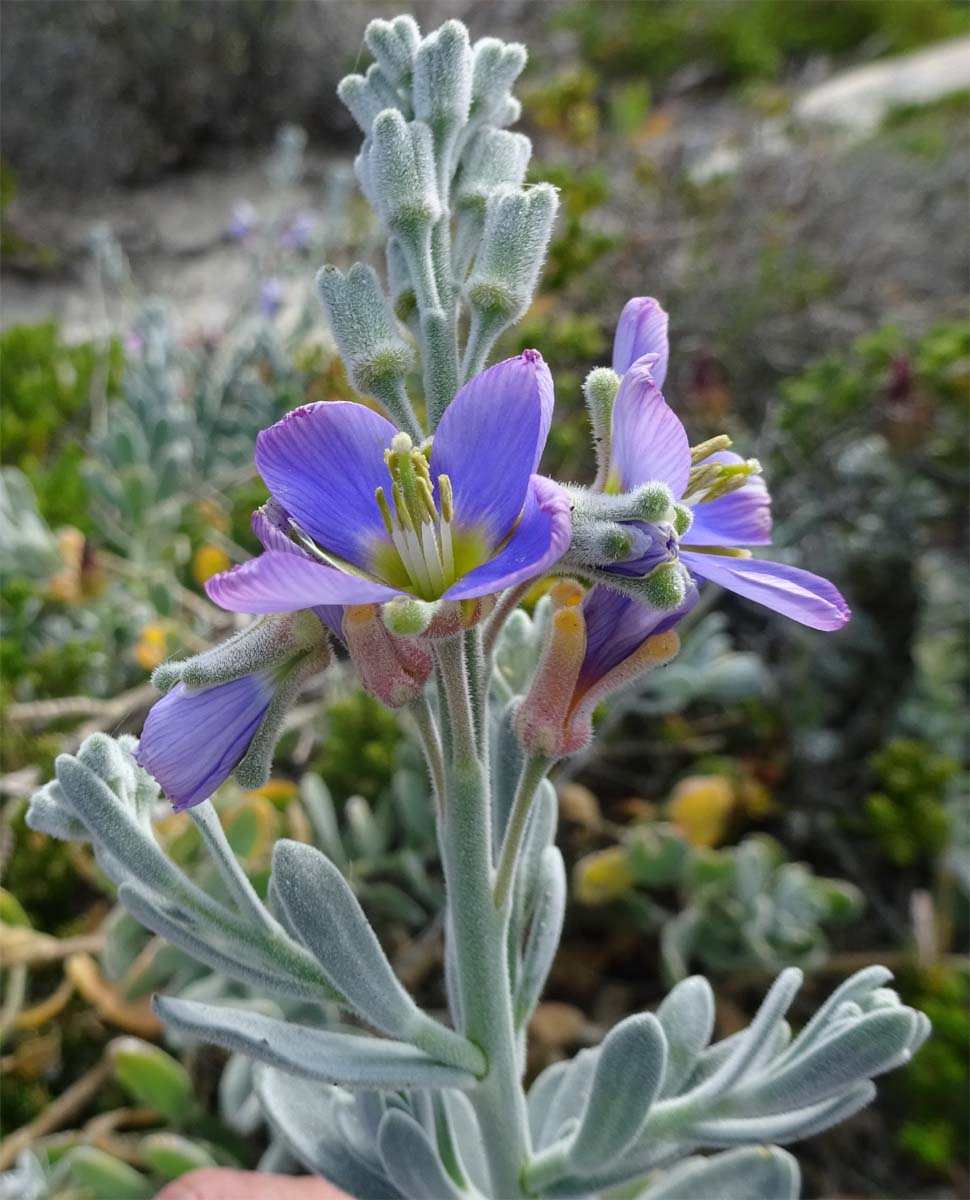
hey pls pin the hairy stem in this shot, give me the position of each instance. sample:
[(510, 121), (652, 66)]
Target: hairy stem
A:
[(483, 982), (534, 770)]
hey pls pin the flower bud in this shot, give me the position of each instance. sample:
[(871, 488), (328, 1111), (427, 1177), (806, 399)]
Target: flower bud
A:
[(518, 225), (364, 328), (495, 67), (401, 172), (269, 642), (226, 713), (443, 92), (366, 96), (494, 159), (394, 45)]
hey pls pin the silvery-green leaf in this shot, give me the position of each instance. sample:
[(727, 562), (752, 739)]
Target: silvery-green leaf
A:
[(327, 915), (855, 988), (773, 1008), (754, 1173), (855, 1051), (628, 1075), (570, 1098), (687, 1018), (411, 1162), (316, 799), (545, 929), (304, 1116), (234, 959), (467, 1136), (341, 1058), (786, 1126), (541, 1095), (238, 1105)]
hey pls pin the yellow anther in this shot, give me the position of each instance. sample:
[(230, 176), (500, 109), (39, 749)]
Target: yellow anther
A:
[(430, 513), (706, 449), (723, 551), (385, 508), (421, 465), (400, 509), (446, 498)]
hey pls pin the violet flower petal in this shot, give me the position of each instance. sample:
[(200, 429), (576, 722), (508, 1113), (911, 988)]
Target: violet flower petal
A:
[(323, 463), (280, 582), (540, 538), (649, 440), (192, 741), (806, 598), (641, 329), (490, 440)]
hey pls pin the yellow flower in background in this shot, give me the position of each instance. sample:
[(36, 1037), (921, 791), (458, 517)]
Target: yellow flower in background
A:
[(212, 514), (700, 806), (152, 647), (207, 561), (602, 876), (279, 791)]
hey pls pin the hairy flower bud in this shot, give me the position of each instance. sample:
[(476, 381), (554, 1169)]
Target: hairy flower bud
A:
[(366, 333), (367, 96), (394, 45)]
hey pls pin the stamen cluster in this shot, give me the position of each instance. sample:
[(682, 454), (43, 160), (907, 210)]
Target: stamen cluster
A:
[(421, 534)]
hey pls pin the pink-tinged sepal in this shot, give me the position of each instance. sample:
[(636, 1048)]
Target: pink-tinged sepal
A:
[(392, 669), (541, 720)]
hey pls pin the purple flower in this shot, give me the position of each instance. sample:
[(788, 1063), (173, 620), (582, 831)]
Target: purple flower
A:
[(193, 740), (299, 231), (270, 297), (723, 501), (377, 517), (242, 221), (641, 329)]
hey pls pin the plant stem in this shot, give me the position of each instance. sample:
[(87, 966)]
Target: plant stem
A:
[(206, 820), (534, 770), (501, 613), (483, 982), (431, 745)]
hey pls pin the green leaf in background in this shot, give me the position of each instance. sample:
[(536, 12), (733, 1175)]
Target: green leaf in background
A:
[(171, 1155), (152, 1077), (105, 1177)]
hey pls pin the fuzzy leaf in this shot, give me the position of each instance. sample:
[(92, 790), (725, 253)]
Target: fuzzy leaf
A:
[(303, 1114), (342, 1058), (755, 1173), (411, 1161), (628, 1075), (687, 1019), (545, 929)]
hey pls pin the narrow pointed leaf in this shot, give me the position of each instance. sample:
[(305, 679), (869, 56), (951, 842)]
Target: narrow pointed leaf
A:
[(545, 930), (863, 1048), (787, 1126), (340, 1058)]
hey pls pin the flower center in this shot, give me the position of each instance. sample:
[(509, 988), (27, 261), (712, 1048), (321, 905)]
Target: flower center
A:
[(418, 522)]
